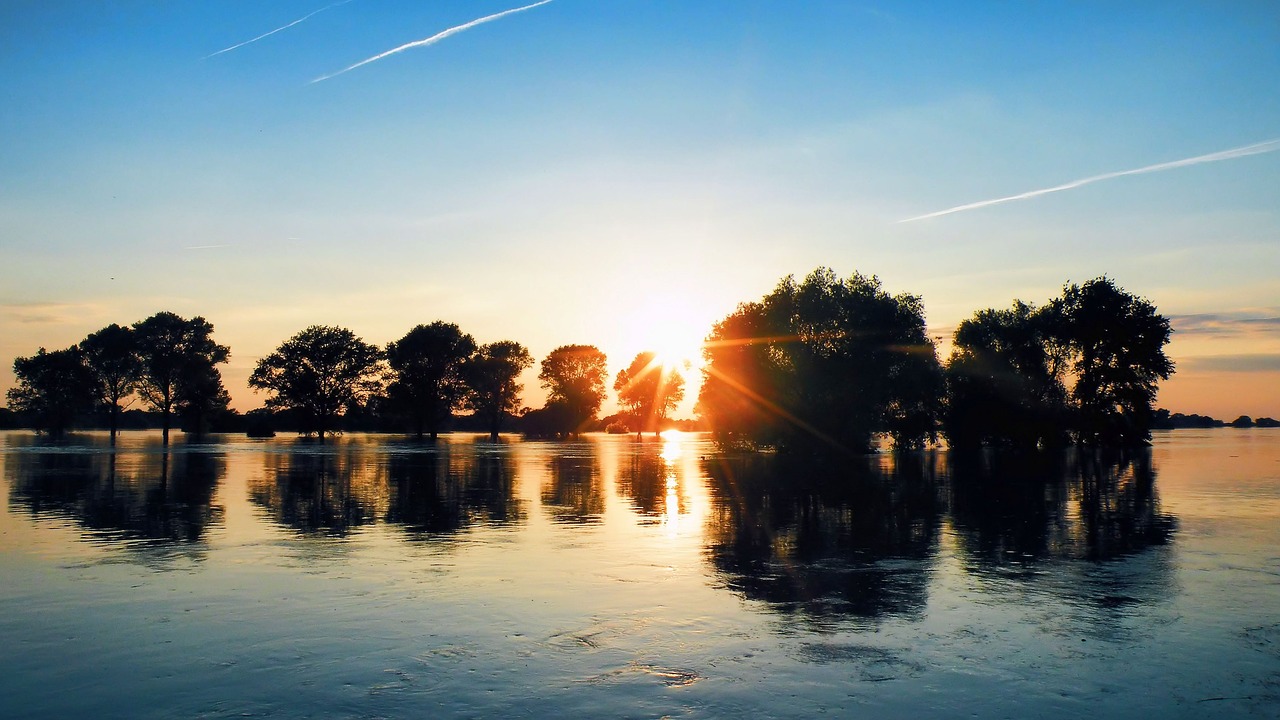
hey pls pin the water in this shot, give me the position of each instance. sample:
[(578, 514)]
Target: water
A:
[(378, 577)]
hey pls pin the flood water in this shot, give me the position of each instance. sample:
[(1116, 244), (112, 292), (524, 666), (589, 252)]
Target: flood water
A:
[(373, 576)]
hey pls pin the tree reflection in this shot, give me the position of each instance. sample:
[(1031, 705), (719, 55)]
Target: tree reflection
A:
[(314, 490), (163, 498), (1013, 510), (846, 540), (449, 490), (575, 493)]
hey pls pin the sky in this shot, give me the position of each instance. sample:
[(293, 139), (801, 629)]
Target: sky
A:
[(624, 173)]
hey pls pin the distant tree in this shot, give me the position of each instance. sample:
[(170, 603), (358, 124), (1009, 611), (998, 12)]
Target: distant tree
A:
[(1244, 421), (179, 367), (648, 391), (54, 388), (1005, 380), (318, 373), (574, 376), (825, 363), (112, 354), (1115, 342), (426, 374), (490, 375)]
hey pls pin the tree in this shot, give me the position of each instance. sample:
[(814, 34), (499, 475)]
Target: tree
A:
[(648, 390), (179, 366), (1005, 380), (825, 363), (54, 387), (490, 375), (1116, 345), (573, 376), (426, 374), (112, 355), (319, 372)]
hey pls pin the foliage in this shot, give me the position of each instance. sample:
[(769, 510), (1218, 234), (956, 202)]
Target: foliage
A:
[(54, 388), (1086, 365), (426, 382), (822, 363), (490, 375), (1004, 380), (179, 371), (318, 373), (1116, 343), (648, 391), (112, 355), (574, 376)]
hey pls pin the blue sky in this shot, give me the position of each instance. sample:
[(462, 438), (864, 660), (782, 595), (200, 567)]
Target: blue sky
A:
[(623, 173)]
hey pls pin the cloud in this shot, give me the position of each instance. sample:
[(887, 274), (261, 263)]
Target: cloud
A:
[(1232, 154), (282, 27), (1238, 363), (432, 40), (1240, 322), (48, 313)]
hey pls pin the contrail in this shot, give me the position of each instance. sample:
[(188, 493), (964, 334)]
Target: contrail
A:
[(282, 27), (1255, 149), (433, 39)]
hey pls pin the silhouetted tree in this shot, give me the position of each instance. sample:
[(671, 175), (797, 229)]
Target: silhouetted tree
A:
[(1116, 340), (318, 373), (574, 376), (823, 363), (179, 366), (490, 375), (648, 390), (1004, 380), (426, 374), (112, 354), (54, 388)]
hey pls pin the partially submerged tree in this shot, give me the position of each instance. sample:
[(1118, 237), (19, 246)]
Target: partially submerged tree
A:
[(1084, 366), (1005, 380), (318, 373), (825, 363), (490, 375), (179, 371), (112, 355), (426, 382), (1116, 343), (54, 388), (648, 390), (574, 376)]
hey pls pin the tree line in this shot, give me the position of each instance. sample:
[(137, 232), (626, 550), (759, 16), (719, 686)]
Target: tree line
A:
[(323, 374), (818, 364)]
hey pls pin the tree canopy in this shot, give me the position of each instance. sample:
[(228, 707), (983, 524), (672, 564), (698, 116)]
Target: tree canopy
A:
[(490, 375), (648, 390), (824, 363), (574, 376), (179, 371), (318, 373), (54, 387), (112, 355), (1085, 366), (426, 382)]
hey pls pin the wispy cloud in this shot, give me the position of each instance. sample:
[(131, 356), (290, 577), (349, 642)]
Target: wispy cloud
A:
[(282, 27), (1247, 150), (1240, 363), (1242, 322), (204, 247), (433, 39)]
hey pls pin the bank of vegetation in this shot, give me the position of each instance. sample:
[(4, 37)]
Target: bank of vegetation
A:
[(821, 364)]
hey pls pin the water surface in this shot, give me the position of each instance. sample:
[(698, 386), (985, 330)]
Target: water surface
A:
[(374, 576)]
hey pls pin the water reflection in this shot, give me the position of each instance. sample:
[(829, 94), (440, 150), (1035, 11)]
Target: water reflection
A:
[(160, 497), (848, 540), (575, 493), (861, 540), (452, 488), (315, 489)]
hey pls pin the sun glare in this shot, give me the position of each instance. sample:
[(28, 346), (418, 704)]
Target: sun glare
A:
[(674, 334)]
